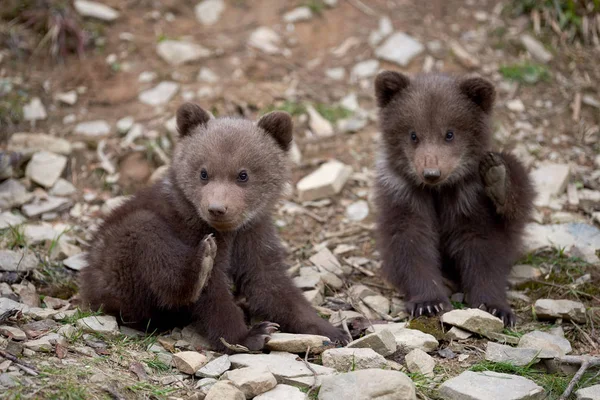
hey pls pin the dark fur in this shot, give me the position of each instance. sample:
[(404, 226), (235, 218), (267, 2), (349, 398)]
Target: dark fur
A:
[(467, 225), (150, 257)]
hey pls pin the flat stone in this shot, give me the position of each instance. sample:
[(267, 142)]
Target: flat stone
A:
[(8, 219), (215, 368), (176, 52), (41, 206), (417, 361), (326, 260), (7, 305), (352, 124), (328, 180), (410, 338), (34, 110), (458, 334), (96, 10), (490, 385), (399, 48), (208, 12), (69, 98), (105, 324), (357, 211), (76, 262), (224, 390), (382, 342), (583, 236), (45, 168), (506, 354), (588, 393), (298, 14), (265, 39), (522, 273), (314, 297), (207, 75), (566, 309), (346, 360), (368, 384), (309, 282), (189, 362), (378, 303), (550, 180), (30, 143), (42, 345), (92, 128), (12, 332), (7, 381), (63, 188), (282, 392), (536, 49), (13, 194), (465, 58), (160, 94), (297, 343), (549, 345), (318, 125), (502, 338), (40, 314), (364, 70), (336, 74), (252, 381), (204, 385), (18, 260), (515, 105), (473, 320), (283, 365), (40, 233)]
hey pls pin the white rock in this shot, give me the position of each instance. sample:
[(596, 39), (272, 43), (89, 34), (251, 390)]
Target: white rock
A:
[(364, 69), (40, 314), (417, 361), (105, 324), (68, 98), (297, 343), (536, 49), (325, 260), (326, 181), (207, 75), (17, 260), (160, 94), (92, 128), (345, 315), (30, 143), (348, 359), (224, 390), (62, 188), (13, 194), (318, 125), (96, 10), (45, 168), (265, 39), (516, 356), (380, 304), (336, 74), (176, 52), (400, 49), (550, 346), (189, 362), (42, 344), (357, 211), (125, 124), (414, 339), (550, 180), (41, 206), (515, 105), (490, 385), (215, 368), (382, 342), (10, 305), (282, 392), (283, 365), (147, 76), (314, 297), (12, 332), (297, 14), (566, 309), (368, 384), (34, 110), (252, 381), (458, 334), (208, 12), (76, 262), (385, 29), (524, 273), (9, 219), (473, 320), (588, 393)]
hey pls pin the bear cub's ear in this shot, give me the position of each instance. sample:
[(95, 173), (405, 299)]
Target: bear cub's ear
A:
[(279, 125), (189, 116), (387, 85), (480, 91)]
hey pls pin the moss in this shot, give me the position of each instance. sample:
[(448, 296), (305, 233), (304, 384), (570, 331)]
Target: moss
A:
[(430, 325)]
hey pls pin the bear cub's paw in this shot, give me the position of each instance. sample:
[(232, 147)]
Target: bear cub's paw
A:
[(208, 253), (493, 172), (259, 335), (428, 308)]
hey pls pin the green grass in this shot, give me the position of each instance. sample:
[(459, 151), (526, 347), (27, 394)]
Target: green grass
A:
[(158, 365), (527, 73), (15, 237), (332, 113), (146, 388), (316, 6), (80, 314), (291, 107)]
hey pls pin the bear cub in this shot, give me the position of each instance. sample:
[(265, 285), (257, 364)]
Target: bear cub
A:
[(179, 251), (449, 207)]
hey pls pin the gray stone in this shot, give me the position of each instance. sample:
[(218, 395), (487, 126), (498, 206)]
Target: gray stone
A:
[(524, 273), (566, 309), (189, 362), (283, 365), (458, 334), (536, 49), (357, 211), (207, 75), (364, 69), (411, 338), (208, 12), (68, 98), (41, 206), (583, 236), (326, 260), (36, 234), (177, 52), (7, 305), (336, 74), (550, 180), (515, 105), (379, 303), (550, 345), (345, 315), (318, 125), (96, 10), (12, 332), (384, 30), (125, 124), (328, 180), (30, 143), (352, 124), (45, 168), (40, 314), (76, 262), (473, 320), (42, 344), (382, 342), (298, 14), (34, 110), (215, 368), (347, 359), (18, 260), (105, 324), (203, 386), (251, 381), (13, 194), (282, 392), (62, 187), (417, 361), (399, 48), (490, 385), (7, 381), (368, 384), (314, 297), (160, 94), (297, 343), (265, 39), (516, 356), (309, 282), (224, 390), (92, 128), (588, 393), (8, 219)]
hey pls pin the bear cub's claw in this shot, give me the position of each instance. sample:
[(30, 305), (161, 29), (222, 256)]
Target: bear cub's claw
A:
[(493, 173), (208, 253), (428, 308), (501, 311), (259, 335)]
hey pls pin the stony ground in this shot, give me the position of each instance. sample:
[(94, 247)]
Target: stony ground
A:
[(80, 134)]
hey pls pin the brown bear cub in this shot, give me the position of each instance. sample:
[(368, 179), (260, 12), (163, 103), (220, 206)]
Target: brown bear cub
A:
[(172, 254), (449, 207)]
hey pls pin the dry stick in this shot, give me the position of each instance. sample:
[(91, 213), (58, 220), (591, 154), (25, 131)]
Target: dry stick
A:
[(585, 335), (21, 364), (584, 294), (585, 362), (305, 361), (238, 348), (363, 7)]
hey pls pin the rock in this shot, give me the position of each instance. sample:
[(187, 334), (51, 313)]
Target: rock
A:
[(417, 361), (466, 59), (204, 385), (550, 180), (382, 342), (297, 343), (319, 125), (385, 29), (251, 381), (349, 316), (215, 368), (566, 309), (176, 52), (490, 385), (549, 345), (104, 324), (414, 339), (314, 297), (379, 303), (34, 110), (326, 181), (297, 14), (63, 188), (76, 262), (524, 273), (125, 124), (346, 360), (160, 94), (282, 392), (17, 261), (588, 393), (7, 305), (7, 381), (536, 49), (357, 211), (9, 219), (457, 334), (583, 236), (516, 356), (515, 105), (41, 206), (13, 194), (351, 125), (189, 362), (42, 344), (207, 75), (96, 10), (63, 250), (45, 168), (92, 128), (208, 12), (336, 74), (224, 390), (473, 320), (368, 384), (38, 313), (265, 39), (326, 261), (68, 98), (363, 70), (30, 143), (284, 366), (400, 49), (12, 332)]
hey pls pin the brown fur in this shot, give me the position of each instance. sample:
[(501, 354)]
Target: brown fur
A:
[(171, 254), (448, 206)]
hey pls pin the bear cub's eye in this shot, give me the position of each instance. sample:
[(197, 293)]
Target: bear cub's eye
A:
[(204, 175), (243, 176), (413, 137), (449, 136)]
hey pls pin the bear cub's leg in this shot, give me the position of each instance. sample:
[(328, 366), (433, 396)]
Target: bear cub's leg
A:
[(494, 175), (207, 254)]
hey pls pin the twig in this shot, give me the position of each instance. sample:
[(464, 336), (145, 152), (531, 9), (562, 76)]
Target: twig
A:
[(104, 161), (238, 348), (359, 268), (584, 294), (305, 361), (585, 361), (577, 107), (20, 364), (585, 335), (363, 7), (345, 326)]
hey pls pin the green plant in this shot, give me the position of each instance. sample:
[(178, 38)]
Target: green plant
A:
[(332, 113), (527, 73)]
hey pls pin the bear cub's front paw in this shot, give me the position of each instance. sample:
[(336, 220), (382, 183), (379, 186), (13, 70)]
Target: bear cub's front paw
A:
[(428, 308), (208, 253), (493, 173), (259, 335)]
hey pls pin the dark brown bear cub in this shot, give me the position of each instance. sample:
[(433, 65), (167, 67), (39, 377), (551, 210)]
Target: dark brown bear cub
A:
[(171, 255), (449, 207)]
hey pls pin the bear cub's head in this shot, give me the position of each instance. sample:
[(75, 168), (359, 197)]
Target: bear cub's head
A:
[(435, 128), (230, 169)]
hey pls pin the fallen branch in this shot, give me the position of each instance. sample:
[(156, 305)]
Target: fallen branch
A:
[(305, 361), (586, 362), (238, 348), (20, 364)]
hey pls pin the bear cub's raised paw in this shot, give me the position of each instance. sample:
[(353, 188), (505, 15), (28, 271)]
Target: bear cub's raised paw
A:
[(207, 253), (493, 173)]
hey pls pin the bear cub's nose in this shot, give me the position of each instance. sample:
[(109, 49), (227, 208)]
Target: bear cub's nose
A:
[(217, 210), (431, 174)]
